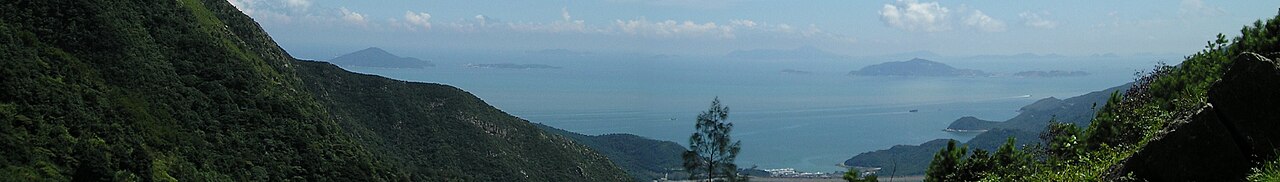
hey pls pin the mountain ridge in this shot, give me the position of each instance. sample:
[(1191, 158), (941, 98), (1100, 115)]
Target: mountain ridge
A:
[(194, 90)]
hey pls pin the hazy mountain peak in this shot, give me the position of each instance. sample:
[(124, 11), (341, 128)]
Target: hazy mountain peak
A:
[(376, 57), (914, 68)]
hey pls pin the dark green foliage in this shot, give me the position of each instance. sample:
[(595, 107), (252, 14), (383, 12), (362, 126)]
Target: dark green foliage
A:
[(946, 163), (645, 159), (1268, 172), (711, 148), (1008, 159), (854, 176), (953, 164), (995, 138), (1061, 140), (193, 90), (159, 90), (907, 159), (1157, 99), (437, 132)]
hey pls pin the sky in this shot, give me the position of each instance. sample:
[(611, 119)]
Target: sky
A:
[(322, 29)]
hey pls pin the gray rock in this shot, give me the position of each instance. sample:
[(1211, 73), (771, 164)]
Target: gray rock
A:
[(1222, 141), (1248, 96), (1201, 149)]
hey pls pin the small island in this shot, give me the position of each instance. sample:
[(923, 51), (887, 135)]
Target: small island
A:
[(376, 57), (512, 66), (917, 68)]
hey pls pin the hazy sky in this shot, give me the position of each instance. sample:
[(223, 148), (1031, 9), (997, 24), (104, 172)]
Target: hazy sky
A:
[(321, 29)]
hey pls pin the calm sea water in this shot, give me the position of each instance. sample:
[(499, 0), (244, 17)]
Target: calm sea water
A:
[(809, 122)]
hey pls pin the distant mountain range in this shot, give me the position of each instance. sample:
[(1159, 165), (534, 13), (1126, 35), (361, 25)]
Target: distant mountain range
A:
[(916, 68), (801, 53), (376, 57)]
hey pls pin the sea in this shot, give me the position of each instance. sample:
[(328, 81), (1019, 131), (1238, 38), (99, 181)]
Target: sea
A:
[(810, 119)]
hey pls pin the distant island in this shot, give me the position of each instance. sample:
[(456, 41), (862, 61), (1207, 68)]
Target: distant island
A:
[(917, 68), (512, 66), (1049, 74), (376, 57)]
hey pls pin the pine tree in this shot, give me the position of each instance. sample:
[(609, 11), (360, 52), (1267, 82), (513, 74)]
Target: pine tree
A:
[(711, 150)]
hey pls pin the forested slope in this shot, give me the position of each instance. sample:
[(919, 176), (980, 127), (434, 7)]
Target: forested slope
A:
[(193, 90)]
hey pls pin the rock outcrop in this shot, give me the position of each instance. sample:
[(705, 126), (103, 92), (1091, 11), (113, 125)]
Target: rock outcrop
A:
[(1232, 133)]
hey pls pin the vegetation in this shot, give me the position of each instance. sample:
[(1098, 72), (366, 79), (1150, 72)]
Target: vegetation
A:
[(1267, 172), (1026, 127), (956, 164), (854, 176), (643, 158), (159, 90), (435, 132), (194, 90), (711, 147), (1130, 119)]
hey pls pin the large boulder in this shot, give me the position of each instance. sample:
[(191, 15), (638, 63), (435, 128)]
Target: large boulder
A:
[(1235, 131), (1248, 96), (1199, 149)]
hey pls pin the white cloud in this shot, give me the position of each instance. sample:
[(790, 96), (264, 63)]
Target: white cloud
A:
[(1196, 8), (672, 28), (743, 23), (483, 20), (300, 12), (298, 4), (352, 16), (564, 25), (1037, 20), (418, 20), (915, 16), (985, 23)]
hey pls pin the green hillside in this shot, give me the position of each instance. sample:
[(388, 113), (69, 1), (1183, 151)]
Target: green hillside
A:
[(1210, 118), (438, 132), (1025, 127), (194, 90), (645, 159)]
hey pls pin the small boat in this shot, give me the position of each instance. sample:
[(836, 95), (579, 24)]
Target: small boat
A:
[(914, 110)]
